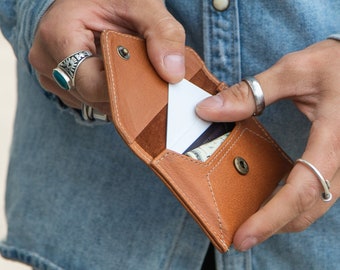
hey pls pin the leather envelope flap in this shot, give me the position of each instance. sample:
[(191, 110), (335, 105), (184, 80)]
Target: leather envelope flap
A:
[(137, 93), (138, 96), (218, 196)]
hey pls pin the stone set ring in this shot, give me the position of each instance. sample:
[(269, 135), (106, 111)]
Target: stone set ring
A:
[(256, 89), (64, 74)]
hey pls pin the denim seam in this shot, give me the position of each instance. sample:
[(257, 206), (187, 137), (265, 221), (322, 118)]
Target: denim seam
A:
[(237, 42), (248, 260), (176, 243), (29, 258)]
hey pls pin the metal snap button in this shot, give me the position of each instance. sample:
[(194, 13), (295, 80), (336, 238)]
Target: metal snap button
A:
[(221, 5), (241, 165), (123, 52)]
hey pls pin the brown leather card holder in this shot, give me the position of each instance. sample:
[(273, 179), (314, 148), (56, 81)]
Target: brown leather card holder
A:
[(226, 189)]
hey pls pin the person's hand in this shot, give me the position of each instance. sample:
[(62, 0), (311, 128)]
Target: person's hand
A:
[(311, 79), (71, 25)]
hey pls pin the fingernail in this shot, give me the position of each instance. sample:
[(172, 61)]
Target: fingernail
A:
[(211, 102), (174, 64), (248, 243)]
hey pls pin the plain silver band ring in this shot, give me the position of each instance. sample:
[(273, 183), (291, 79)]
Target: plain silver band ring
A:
[(256, 89), (326, 195), (64, 74), (90, 114)]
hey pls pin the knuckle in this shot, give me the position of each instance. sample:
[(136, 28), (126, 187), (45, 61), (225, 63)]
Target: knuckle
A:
[(307, 197), (43, 82), (86, 90), (32, 57), (174, 29), (90, 85), (86, 94), (242, 98), (44, 32), (241, 92), (306, 221), (169, 29), (301, 224)]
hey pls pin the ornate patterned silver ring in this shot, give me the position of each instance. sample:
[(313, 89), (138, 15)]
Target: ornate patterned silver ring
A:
[(256, 89), (64, 74)]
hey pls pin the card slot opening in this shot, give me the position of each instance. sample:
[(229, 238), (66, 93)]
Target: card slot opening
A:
[(210, 141), (214, 131), (152, 139)]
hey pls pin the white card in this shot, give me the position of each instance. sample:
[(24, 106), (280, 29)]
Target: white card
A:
[(183, 125)]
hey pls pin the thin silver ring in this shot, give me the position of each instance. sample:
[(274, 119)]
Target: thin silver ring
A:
[(64, 74), (256, 89), (326, 195), (90, 114)]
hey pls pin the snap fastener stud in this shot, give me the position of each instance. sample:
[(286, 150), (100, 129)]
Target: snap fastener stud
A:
[(241, 166), (123, 52)]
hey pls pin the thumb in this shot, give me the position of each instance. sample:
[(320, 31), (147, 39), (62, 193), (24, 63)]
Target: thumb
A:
[(232, 104), (165, 39), (237, 102)]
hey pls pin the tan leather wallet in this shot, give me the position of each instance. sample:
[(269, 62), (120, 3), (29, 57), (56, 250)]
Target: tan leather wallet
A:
[(226, 189)]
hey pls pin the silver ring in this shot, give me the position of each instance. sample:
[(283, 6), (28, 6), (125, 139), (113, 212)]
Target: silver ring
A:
[(64, 74), (256, 89), (90, 114), (326, 195)]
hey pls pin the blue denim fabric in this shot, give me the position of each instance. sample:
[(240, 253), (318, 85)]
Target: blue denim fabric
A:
[(77, 198), (18, 22)]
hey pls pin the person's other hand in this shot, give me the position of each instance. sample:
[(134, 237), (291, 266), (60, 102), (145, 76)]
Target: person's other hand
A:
[(71, 25), (311, 79)]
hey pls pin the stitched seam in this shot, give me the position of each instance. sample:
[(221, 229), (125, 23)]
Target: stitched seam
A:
[(229, 139), (220, 233), (230, 147), (273, 143), (267, 139), (190, 201), (142, 153), (210, 184), (219, 220), (110, 73)]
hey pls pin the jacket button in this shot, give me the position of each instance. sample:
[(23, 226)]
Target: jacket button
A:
[(221, 5)]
